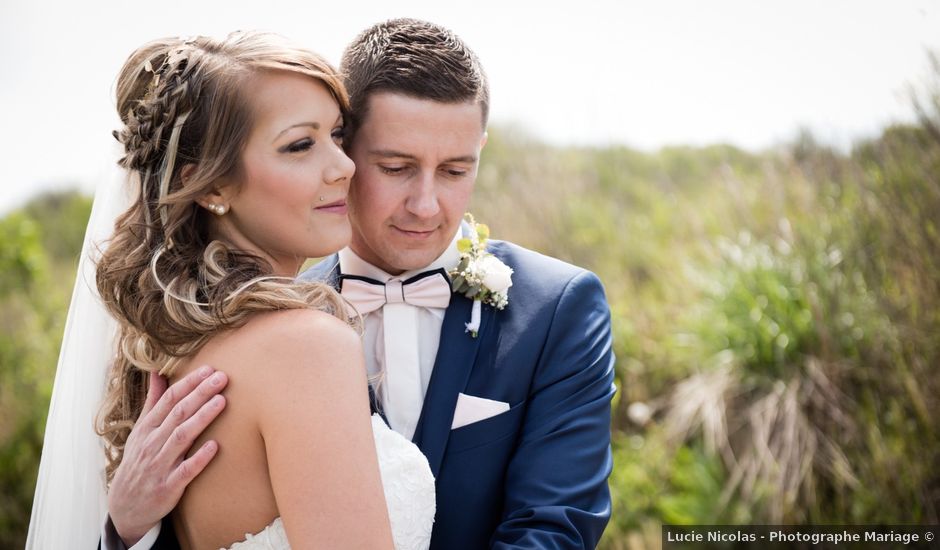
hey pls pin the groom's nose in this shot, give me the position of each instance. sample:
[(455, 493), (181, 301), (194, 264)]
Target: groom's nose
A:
[(422, 196)]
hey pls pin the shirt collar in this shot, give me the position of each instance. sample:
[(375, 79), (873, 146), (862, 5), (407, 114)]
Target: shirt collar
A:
[(351, 264)]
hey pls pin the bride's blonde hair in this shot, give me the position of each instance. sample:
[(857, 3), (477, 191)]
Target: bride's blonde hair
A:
[(171, 289)]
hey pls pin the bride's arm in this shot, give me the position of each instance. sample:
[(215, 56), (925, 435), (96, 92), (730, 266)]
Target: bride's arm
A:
[(314, 419)]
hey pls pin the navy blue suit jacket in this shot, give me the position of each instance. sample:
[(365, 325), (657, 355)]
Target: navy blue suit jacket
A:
[(536, 475)]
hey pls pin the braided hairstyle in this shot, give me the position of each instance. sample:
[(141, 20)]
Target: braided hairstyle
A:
[(169, 285)]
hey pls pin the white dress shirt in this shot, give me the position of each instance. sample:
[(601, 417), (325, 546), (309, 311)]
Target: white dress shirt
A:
[(430, 321)]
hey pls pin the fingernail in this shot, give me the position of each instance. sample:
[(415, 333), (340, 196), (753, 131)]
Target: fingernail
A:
[(210, 446), (204, 372), (217, 378), (217, 401)]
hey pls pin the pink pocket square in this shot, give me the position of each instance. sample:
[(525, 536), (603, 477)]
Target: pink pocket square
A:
[(472, 409)]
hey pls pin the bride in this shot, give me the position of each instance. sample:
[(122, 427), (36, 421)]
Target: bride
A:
[(237, 148)]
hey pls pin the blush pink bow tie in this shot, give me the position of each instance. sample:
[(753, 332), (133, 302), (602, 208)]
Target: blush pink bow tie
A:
[(428, 289), (401, 392)]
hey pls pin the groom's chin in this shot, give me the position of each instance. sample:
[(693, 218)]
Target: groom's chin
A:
[(407, 256), (408, 260)]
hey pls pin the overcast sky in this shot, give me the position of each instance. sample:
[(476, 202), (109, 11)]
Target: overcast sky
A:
[(642, 74)]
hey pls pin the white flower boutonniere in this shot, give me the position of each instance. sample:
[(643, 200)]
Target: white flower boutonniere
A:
[(480, 275)]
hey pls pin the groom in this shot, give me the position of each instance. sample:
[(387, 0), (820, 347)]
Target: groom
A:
[(514, 417)]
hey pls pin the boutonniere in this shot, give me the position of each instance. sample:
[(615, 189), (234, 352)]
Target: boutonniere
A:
[(480, 276)]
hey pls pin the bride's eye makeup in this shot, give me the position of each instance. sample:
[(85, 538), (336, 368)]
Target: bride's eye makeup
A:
[(297, 146), (338, 134)]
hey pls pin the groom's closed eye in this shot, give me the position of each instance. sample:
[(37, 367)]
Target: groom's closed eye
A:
[(392, 170), (456, 172)]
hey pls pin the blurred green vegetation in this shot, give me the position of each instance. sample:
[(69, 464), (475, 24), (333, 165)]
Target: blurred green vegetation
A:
[(776, 318), (39, 247)]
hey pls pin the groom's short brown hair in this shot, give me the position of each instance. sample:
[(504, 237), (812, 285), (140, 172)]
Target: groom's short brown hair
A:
[(414, 58)]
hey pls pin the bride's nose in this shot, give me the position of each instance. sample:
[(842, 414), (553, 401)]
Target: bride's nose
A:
[(341, 167)]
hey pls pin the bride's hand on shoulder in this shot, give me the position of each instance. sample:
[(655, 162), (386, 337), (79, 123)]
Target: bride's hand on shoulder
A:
[(155, 471)]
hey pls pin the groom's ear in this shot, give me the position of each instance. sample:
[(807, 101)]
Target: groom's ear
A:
[(483, 139)]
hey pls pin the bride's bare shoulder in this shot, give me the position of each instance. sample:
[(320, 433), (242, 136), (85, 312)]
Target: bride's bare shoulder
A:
[(281, 347), (298, 331), (286, 358), (296, 326)]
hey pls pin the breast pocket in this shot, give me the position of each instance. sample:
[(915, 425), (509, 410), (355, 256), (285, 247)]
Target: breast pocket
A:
[(485, 432)]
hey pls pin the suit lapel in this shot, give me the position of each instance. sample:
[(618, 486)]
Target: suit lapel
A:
[(375, 407), (456, 355), (324, 271)]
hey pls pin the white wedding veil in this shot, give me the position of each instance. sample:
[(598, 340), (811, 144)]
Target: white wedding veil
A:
[(69, 506)]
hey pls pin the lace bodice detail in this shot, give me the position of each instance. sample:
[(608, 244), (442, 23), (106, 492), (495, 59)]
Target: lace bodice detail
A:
[(409, 493)]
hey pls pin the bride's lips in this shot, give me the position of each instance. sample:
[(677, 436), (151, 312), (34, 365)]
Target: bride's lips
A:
[(337, 207)]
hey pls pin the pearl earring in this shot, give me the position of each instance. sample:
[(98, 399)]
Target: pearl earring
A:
[(218, 209)]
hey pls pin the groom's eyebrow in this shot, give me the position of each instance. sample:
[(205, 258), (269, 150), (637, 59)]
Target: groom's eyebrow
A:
[(391, 153)]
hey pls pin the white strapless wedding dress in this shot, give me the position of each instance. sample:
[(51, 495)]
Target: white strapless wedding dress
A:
[(409, 493)]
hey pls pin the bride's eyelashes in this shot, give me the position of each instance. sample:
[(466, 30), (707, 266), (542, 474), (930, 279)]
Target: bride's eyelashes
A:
[(305, 144), (338, 134), (298, 146)]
